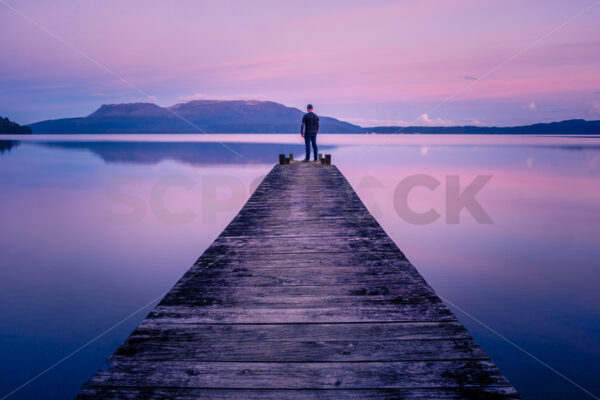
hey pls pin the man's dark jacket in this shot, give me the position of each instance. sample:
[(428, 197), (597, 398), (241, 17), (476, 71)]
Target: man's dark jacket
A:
[(310, 122)]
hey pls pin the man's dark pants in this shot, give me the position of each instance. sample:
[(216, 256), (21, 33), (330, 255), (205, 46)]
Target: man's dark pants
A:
[(308, 139)]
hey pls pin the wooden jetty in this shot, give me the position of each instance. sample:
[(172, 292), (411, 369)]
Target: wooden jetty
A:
[(302, 296)]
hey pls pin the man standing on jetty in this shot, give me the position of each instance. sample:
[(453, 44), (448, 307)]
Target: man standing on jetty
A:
[(308, 130)]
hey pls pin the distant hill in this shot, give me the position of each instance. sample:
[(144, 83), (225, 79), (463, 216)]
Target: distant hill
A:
[(571, 127), (12, 128), (211, 116), (253, 116)]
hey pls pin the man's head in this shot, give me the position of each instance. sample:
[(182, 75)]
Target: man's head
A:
[(309, 107)]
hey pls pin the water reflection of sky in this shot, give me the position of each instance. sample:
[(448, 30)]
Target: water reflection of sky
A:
[(94, 229)]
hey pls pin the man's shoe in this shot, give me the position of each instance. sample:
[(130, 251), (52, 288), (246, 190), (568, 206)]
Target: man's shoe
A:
[(306, 160)]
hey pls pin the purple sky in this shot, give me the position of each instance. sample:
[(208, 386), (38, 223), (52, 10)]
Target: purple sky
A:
[(368, 62)]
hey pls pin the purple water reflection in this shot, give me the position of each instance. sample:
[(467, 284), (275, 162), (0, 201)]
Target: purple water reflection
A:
[(93, 230)]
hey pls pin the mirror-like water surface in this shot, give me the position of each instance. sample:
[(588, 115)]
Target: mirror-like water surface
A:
[(95, 229)]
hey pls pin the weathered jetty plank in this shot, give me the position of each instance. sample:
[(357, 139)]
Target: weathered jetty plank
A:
[(303, 296)]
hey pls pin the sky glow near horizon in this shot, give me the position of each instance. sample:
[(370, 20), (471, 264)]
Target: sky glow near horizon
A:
[(370, 63)]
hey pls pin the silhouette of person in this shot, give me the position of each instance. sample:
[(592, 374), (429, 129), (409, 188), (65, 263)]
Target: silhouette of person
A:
[(308, 130)]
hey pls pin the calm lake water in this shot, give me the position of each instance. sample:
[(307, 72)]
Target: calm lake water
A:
[(95, 229)]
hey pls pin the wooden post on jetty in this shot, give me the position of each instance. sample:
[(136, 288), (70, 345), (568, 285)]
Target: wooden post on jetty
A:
[(302, 296)]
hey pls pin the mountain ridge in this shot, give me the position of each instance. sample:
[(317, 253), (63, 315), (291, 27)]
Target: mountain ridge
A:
[(257, 116), (196, 116), (571, 126)]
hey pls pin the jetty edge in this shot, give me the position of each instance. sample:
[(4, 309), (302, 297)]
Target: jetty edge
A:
[(302, 296)]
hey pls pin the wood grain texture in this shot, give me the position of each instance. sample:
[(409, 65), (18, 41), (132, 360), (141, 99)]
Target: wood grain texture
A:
[(302, 296), (301, 375), (127, 393)]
